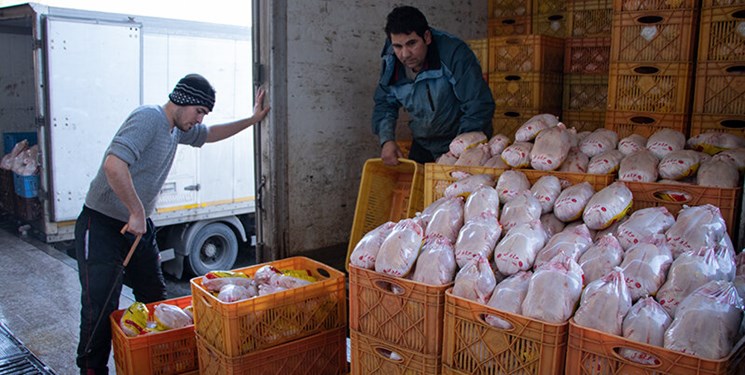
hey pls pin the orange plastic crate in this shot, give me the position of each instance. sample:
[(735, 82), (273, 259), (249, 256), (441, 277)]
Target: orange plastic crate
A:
[(504, 26), (404, 313), (594, 352), (372, 356), (539, 91), (438, 177), (652, 88), (721, 3), (720, 38), (508, 8), (480, 48), (168, 352), (322, 353), (587, 56), (583, 120), (585, 92), (654, 37), (261, 322), (589, 18), (626, 5), (526, 53), (387, 193), (553, 24), (473, 346), (703, 123), (506, 121), (720, 87), (644, 123), (675, 196)]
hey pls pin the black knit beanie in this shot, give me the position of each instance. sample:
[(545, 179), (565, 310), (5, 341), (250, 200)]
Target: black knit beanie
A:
[(193, 90)]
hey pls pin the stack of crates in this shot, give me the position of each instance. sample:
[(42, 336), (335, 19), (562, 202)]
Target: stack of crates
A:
[(587, 63), (550, 17), (525, 77), (300, 330), (651, 70), (719, 96), (509, 17)]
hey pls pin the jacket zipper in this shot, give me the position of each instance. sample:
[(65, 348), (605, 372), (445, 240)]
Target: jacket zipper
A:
[(429, 96)]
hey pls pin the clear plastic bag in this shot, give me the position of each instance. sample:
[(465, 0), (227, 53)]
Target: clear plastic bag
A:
[(604, 303)]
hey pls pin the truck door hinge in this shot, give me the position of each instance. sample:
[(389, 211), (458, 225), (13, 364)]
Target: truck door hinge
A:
[(37, 44), (192, 187), (39, 121), (258, 77)]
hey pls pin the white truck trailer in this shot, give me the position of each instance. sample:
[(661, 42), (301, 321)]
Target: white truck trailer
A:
[(72, 76)]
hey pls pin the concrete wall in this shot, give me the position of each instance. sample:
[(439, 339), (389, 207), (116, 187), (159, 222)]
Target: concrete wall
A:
[(333, 63)]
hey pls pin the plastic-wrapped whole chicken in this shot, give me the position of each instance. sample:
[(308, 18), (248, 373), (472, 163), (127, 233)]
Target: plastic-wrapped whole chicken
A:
[(665, 141), (696, 227), (572, 201), (680, 164), (643, 225), (366, 250), (572, 242), (517, 155), (436, 264), (466, 185), (447, 220), (464, 141), (689, 271), (523, 208), (599, 141), (715, 142), (483, 199), (718, 173), (233, 293), (426, 215), (171, 317), (478, 236), (517, 250), (18, 148), (707, 321), (529, 130), (725, 253), (400, 249), (446, 159), (554, 291), (604, 303), (508, 296), (551, 148), (546, 189), (26, 163), (640, 166), (645, 267), (605, 163), (576, 162), (601, 257), (551, 224), (497, 162), (213, 281), (735, 156), (646, 322), (613, 229), (510, 184), (475, 281), (632, 144), (607, 206), (474, 156), (498, 143)]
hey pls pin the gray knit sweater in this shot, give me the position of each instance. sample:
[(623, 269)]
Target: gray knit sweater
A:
[(144, 142)]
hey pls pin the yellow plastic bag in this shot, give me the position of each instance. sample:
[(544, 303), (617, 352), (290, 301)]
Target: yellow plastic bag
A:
[(134, 320)]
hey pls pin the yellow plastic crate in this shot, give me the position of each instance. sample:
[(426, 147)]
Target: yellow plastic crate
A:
[(387, 193), (372, 356), (162, 353), (261, 322)]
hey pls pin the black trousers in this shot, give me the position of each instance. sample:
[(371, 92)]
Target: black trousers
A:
[(101, 249)]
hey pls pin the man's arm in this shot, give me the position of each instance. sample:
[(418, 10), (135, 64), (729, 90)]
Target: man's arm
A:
[(120, 180), (222, 131), (473, 92), (385, 114)]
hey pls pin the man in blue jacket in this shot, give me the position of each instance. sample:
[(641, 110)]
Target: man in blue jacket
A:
[(437, 79)]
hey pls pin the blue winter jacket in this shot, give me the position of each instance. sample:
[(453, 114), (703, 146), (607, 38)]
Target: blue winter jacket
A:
[(448, 97)]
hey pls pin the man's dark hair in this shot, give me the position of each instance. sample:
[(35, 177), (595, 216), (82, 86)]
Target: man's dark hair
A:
[(404, 20)]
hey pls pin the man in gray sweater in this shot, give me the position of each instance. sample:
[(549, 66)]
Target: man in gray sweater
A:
[(123, 195)]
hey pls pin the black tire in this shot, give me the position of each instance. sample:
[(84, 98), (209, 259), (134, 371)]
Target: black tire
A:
[(214, 247)]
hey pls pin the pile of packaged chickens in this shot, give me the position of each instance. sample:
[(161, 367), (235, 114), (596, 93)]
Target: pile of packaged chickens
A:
[(553, 250), (543, 143)]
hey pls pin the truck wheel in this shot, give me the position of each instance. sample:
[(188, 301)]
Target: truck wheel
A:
[(214, 247)]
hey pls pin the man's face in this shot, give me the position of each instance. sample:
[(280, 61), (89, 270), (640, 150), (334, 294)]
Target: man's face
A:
[(411, 49), (189, 115)]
